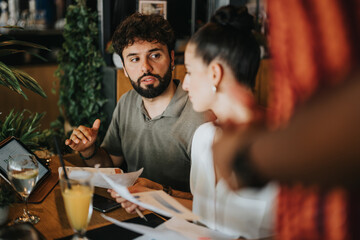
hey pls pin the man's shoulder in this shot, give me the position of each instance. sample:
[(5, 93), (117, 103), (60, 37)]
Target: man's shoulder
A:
[(190, 114), (129, 96), (189, 120), (127, 102), (129, 99)]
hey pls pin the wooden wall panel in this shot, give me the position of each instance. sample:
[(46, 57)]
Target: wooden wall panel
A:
[(123, 84), (179, 72)]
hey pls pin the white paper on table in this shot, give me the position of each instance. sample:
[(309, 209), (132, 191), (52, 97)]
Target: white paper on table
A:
[(157, 201), (155, 233), (193, 231), (174, 229), (163, 201), (115, 174)]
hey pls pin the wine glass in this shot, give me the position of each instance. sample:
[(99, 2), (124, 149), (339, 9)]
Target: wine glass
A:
[(77, 194), (23, 170)]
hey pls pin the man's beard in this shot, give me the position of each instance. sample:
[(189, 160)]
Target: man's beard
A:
[(150, 91)]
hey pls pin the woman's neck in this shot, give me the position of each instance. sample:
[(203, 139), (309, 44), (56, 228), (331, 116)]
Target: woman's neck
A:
[(227, 109)]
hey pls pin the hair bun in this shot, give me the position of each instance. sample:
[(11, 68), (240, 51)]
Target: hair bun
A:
[(236, 17)]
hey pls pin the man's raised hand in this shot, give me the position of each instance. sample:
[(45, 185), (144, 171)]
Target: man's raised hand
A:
[(82, 138)]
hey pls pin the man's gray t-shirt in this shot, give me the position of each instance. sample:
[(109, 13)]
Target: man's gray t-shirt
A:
[(161, 145)]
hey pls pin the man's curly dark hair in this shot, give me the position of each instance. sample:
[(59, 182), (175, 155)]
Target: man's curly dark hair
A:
[(139, 26)]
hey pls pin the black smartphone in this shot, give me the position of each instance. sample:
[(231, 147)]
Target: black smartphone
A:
[(103, 204)]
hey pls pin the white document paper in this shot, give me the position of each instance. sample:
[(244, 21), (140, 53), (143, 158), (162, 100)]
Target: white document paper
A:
[(193, 231), (115, 174), (174, 229), (157, 201)]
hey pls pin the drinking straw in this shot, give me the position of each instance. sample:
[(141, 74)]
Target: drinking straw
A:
[(62, 162)]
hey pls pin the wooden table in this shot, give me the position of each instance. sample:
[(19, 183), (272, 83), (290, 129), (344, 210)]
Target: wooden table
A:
[(53, 220)]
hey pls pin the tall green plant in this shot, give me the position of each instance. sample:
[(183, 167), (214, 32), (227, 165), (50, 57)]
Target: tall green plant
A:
[(80, 68), (18, 124), (14, 78)]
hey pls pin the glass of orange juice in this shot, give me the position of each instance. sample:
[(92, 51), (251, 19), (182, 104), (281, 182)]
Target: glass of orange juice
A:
[(77, 195)]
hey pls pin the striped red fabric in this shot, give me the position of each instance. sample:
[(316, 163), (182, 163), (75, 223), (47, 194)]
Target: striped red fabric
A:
[(314, 44)]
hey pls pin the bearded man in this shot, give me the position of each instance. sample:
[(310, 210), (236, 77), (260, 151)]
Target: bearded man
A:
[(153, 124)]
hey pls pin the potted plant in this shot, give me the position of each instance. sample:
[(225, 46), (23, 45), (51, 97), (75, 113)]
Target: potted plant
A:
[(23, 125), (6, 198), (80, 70)]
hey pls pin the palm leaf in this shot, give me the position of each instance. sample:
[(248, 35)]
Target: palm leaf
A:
[(8, 79), (6, 52), (28, 82), (13, 78), (23, 43), (37, 55), (12, 27)]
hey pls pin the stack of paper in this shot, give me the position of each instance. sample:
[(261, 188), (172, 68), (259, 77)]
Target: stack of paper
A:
[(157, 201), (115, 174)]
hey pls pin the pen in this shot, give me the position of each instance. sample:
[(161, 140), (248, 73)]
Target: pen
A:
[(140, 214), (159, 216)]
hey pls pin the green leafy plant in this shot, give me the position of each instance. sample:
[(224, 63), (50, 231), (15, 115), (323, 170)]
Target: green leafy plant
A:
[(80, 68), (25, 126), (14, 78), (7, 196), (18, 124)]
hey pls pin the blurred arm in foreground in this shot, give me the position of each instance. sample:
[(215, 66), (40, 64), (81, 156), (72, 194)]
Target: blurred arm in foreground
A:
[(321, 144)]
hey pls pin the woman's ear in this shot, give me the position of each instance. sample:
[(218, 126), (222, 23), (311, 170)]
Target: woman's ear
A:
[(217, 73)]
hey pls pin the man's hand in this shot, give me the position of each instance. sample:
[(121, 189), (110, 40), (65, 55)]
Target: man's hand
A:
[(82, 138), (127, 205), (141, 185)]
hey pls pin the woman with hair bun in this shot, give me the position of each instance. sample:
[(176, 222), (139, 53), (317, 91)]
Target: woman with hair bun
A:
[(221, 56)]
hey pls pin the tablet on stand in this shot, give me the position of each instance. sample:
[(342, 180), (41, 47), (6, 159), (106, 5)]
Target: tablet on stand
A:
[(12, 146)]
